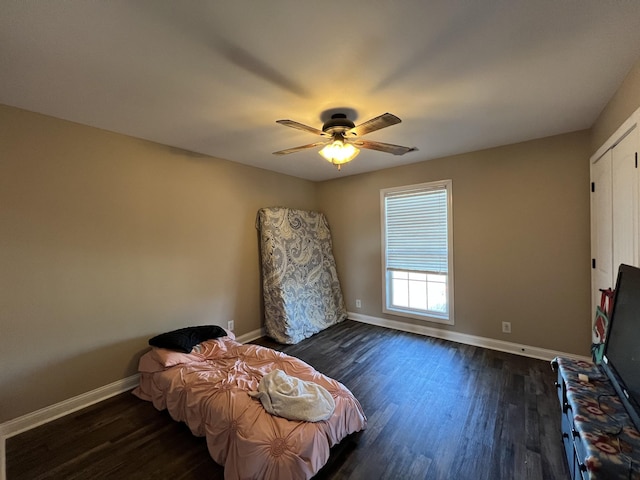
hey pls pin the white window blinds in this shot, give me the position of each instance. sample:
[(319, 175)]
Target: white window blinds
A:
[(416, 230)]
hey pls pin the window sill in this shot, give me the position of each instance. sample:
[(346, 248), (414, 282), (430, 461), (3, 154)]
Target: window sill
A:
[(445, 319)]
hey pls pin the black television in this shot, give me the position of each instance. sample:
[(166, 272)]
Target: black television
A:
[(621, 359)]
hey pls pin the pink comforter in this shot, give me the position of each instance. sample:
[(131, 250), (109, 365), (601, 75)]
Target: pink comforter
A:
[(208, 391)]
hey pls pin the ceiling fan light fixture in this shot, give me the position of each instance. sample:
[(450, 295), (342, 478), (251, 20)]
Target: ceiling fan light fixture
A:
[(342, 139), (338, 152)]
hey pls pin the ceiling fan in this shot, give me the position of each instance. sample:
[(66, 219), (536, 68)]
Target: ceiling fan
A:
[(342, 138)]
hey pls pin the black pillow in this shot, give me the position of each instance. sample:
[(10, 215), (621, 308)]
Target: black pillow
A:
[(184, 339)]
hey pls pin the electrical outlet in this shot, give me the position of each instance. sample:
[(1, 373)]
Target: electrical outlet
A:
[(358, 303), (230, 325), (506, 327)]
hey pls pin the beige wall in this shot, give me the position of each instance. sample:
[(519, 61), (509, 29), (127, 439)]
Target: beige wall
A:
[(107, 240), (625, 101), (520, 239)]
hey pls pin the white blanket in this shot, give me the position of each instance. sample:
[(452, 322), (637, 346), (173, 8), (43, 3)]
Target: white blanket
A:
[(295, 399)]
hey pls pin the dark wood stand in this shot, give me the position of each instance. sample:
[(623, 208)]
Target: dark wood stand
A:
[(600, 441)]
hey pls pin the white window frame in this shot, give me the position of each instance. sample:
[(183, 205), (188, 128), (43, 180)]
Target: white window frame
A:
[(426, 315)]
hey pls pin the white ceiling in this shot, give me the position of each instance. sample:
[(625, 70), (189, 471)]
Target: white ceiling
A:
[(213, 77)]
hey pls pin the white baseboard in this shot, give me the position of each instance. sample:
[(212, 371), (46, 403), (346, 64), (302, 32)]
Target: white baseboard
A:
[(248, 337), (47, 414), (490, 343)]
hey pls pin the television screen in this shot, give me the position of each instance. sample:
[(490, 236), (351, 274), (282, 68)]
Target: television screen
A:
[(621, 361)]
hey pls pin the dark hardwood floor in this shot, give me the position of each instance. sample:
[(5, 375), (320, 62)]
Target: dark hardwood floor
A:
[(436, 410)]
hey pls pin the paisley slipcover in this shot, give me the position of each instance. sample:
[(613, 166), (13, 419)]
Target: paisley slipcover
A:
[(302, 294)]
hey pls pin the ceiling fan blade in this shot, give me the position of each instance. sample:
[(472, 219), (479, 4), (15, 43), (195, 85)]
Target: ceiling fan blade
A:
[(300, 126), (303, 147), (381, 121), (383, 147)]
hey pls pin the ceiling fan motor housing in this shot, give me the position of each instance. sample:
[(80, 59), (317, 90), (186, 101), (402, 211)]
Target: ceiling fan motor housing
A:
[(339, 123)]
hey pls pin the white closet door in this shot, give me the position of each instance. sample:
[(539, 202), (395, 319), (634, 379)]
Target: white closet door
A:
[(625, 195), (602, 277), (615, 206)]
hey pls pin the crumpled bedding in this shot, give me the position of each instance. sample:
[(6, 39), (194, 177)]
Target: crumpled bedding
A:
[(208, 389), (292, 398)]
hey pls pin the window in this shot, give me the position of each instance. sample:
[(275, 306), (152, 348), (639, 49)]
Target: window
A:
[(417, 253)]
